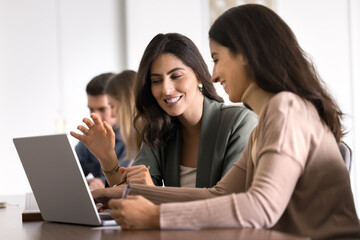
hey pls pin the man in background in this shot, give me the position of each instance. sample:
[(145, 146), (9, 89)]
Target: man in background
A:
[(98, 103)]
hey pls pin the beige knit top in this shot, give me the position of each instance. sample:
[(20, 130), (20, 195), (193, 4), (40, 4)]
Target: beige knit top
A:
[(291, 177)]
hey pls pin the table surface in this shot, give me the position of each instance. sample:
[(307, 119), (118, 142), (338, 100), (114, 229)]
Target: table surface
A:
[(12, 227)]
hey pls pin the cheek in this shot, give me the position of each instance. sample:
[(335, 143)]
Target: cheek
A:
[(189, 85), (156, 92)]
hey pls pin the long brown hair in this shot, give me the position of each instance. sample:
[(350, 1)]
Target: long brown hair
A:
[(276, 62), (121, 88), (156, 124)]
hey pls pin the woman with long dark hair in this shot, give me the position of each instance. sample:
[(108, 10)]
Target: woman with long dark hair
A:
[(190, 137), (291, 176)]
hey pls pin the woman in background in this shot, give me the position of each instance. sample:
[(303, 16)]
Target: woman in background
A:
[(291, 176), (190, 138), (120, 92)]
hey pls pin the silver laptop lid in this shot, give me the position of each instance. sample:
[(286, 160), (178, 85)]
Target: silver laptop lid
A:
[(57, 180)]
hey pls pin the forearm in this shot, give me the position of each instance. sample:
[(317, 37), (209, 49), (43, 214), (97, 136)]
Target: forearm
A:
[(213, 213), (260, 207), (169, 194), (232, 182)]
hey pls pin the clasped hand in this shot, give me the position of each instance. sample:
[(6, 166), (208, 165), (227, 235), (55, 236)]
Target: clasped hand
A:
[(134, 212)]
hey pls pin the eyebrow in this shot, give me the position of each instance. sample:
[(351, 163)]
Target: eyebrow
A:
[(169, 72)]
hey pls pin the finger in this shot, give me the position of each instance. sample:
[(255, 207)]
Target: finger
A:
[(88, 122), (125, 171), (96, 119), (120, 221), (122, 169), (77, 136), (83, 129), (138, 180), (123, 176), (133, 168), (115, 203), (108, 128), (139, 170)]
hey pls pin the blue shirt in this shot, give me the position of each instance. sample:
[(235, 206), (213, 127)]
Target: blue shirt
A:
[(90, 164)]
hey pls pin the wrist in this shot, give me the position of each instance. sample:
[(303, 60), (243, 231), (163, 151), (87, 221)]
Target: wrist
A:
[(109, 162), (156, 217), (113, 170)]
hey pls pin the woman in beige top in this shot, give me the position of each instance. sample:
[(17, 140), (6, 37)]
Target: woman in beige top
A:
[(291, 176)]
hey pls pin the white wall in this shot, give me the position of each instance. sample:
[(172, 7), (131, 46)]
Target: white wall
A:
[(50, 49), (145, 19)]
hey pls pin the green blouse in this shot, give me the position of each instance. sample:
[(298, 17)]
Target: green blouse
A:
[(225, 130)]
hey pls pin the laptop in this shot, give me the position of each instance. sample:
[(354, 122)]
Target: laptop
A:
[(57, 180)]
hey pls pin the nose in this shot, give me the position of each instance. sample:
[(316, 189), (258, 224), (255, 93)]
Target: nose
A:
[(215, 77), (168, 86)]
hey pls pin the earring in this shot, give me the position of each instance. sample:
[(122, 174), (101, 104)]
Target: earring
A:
[(200, 87)]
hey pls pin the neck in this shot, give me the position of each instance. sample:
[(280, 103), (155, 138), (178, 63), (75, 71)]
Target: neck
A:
[(256, 98), (191, 119)]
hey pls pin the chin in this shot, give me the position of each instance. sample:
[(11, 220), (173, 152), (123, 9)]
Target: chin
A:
[(173, 114), (234, 99)]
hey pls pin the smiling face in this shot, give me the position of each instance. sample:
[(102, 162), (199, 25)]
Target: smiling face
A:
[(230, 70), (175, 86)]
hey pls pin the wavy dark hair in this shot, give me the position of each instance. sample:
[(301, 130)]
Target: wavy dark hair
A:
[(276, 62), (154, 125)]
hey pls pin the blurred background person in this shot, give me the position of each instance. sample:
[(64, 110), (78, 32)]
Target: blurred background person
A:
[(98, 103), (120, 93)]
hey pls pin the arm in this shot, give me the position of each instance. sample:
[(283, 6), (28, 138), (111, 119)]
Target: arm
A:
[(175, 194), (99, 138), (260, 207)]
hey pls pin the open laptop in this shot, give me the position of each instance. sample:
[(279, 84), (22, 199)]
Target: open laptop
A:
[(57, 180)]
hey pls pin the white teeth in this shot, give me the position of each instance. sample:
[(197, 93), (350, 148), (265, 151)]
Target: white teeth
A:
[(172, 100)]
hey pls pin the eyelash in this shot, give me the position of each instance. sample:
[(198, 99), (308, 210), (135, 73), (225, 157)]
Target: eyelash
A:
[(175, 76), (155, 81)]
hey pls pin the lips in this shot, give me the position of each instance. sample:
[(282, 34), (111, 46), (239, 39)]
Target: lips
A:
[(224, 85), (172, 100)]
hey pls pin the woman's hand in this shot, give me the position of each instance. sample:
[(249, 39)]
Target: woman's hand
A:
[(102, 196), (136, 174), (95, 183), (135, 212), (98, 137)]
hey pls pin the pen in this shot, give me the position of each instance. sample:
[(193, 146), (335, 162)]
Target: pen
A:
[(126, 191), (123, 181)]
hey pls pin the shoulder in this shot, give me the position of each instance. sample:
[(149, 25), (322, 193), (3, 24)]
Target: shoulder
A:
[(285, 101), (230, 110), (287, 105), (237, 112)]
